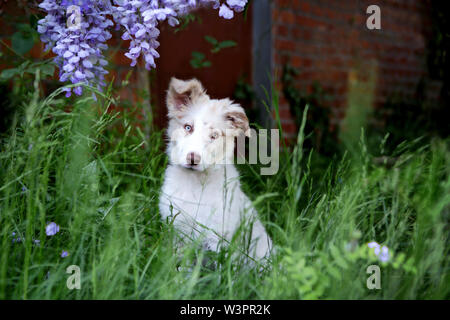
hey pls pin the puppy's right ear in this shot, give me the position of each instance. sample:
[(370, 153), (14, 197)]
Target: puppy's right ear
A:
[(181, 94)]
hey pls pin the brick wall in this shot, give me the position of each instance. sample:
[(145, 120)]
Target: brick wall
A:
[(328, 41)]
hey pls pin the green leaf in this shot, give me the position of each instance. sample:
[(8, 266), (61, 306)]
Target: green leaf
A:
[(197, 60), (222, 45), (227, 44), (22, 42), (9, 73), (211, 40), (47, 69), (334, 272), (25, 67), (338, 257), (195, 64), (206, 64), (186, 20), (198, 55)]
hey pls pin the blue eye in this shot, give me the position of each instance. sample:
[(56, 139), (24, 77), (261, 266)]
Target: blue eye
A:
[(188, 128)]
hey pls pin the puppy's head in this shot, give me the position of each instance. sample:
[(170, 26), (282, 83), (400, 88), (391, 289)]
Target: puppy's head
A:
[(201, 130)]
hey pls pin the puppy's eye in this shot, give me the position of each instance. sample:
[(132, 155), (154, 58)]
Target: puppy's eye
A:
[(214, 136), (188, 127)]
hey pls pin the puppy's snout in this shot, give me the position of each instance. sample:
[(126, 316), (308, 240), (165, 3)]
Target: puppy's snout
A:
[(193, 158)]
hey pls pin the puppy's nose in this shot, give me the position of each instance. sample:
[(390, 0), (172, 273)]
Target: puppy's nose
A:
[(193, 158)]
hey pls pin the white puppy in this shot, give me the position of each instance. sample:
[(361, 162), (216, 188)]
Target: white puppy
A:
[(201, 193)]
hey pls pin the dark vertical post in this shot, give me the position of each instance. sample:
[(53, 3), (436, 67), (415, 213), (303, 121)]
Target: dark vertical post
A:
[(262, 56)]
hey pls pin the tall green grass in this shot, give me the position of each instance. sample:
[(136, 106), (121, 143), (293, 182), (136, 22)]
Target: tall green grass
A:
[(102, 190)]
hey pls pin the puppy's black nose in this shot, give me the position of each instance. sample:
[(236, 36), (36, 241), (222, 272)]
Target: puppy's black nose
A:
[(193, 158)]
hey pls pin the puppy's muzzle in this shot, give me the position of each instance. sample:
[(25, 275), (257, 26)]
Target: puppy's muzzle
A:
[(193, 158)]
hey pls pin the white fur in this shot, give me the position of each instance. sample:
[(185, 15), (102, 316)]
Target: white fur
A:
[(205, 200)]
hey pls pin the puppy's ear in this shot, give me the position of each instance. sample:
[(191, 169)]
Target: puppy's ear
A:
[(237, 120), (181, 94)]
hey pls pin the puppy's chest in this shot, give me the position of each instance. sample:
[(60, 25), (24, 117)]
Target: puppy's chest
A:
[(194, 196), (211, 203)]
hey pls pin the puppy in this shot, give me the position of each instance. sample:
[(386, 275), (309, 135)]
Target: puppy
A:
[(201, 193)]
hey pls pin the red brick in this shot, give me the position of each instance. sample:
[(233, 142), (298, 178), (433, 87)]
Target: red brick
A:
[(288, 45), (286, 17), (282, 30), (310, 22)]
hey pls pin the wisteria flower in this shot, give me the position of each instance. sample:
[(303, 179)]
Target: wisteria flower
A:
[(80, 48), (226, 12), (237, 5), (51, 229), (64, 254)]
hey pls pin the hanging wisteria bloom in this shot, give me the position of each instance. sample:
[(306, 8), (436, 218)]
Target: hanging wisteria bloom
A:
[(77, 31), (51, 229), (78, 39)]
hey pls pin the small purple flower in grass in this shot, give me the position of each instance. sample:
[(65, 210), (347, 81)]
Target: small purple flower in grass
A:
[(375, 246), (384, 256), (64, 254), (51, 229), (381, 252), (16, 239)]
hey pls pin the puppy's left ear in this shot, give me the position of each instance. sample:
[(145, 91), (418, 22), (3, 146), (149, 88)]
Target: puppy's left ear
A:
[(237, 120), (181, 94)]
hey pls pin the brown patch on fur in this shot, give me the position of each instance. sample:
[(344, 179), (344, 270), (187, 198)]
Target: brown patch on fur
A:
[(218, 130), (238, 120)]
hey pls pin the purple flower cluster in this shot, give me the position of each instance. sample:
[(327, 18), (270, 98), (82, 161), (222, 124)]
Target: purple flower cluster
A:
[(226, 10), (79, 44), (382, 252), (78, 37)]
